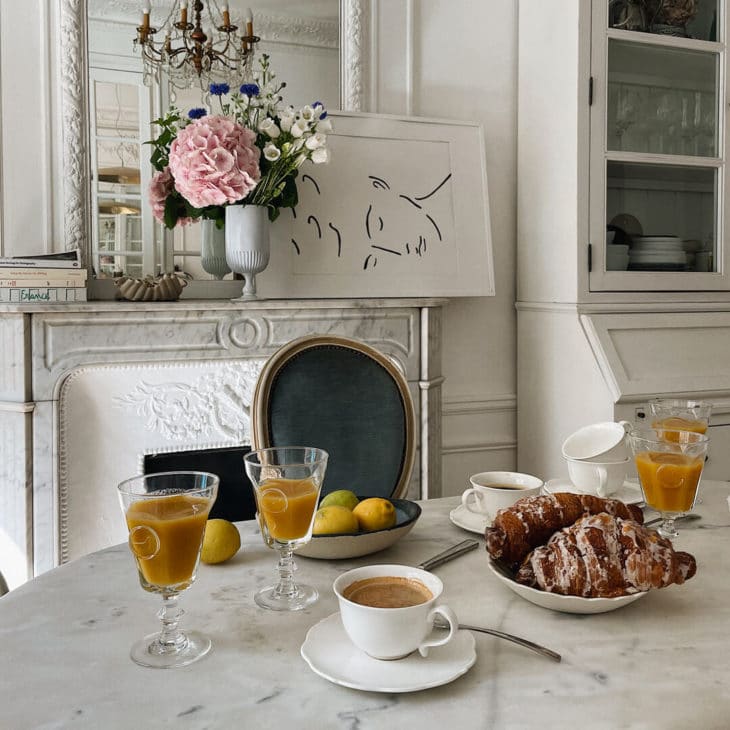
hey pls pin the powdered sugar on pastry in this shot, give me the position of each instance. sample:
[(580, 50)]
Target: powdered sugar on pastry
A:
[(605, 556)]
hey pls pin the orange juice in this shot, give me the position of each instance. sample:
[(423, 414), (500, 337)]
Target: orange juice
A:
[(179, 523), (287, 507), (677, 423), (669, 480)]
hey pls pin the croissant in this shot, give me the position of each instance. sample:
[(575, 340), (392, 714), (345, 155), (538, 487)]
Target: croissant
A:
[(530, 521), (605, 556)]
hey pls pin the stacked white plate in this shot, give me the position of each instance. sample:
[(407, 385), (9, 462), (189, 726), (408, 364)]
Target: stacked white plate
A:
[(657, 252)]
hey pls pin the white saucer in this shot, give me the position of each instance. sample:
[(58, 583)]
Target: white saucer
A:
[(330, 653), (629, 493), (470, 521)]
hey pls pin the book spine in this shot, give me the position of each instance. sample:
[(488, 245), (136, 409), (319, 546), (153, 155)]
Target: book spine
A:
[(44, 295), (39, 281), (40, 263), (9, 272)]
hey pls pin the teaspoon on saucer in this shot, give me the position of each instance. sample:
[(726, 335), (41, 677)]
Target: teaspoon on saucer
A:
[(510, 637)]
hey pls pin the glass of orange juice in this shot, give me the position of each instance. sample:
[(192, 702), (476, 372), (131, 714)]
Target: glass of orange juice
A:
[(670, 465), (287, 481), (166, 515), (676, 414)]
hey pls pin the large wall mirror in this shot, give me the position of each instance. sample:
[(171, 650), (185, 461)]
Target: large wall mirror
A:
[(107, 108)]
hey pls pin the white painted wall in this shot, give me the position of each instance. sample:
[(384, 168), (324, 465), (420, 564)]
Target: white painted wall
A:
[(456, 59)]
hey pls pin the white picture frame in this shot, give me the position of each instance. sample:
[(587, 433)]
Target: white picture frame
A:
[(401, 210)]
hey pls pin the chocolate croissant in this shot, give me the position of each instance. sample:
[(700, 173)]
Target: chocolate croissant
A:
[(605, 556), (530, 521)]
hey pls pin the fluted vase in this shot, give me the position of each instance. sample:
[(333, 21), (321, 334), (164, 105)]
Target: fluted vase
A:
[(213, 249), (247, 244)]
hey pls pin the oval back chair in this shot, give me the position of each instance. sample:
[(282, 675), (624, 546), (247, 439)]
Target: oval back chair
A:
[(347, 398)]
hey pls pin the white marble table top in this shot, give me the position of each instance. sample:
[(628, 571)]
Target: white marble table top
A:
[(662, 661)]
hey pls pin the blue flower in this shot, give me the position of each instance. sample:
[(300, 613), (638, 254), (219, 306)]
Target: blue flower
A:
[(250, 89), (197, 113), (219, 89), (323, 115)]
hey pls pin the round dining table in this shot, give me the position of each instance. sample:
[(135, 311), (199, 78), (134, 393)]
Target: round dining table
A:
[(661, 662)]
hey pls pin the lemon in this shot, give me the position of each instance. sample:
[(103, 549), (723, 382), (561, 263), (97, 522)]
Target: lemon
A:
[(343, 497), (221, 541), (375, 513), (333, 519)]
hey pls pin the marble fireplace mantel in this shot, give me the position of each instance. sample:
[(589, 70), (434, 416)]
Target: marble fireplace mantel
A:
[(88, 389)]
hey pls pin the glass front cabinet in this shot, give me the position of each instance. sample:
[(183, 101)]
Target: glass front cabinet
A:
[(658, 136)]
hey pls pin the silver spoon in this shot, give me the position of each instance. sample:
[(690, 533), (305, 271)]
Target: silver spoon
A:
[(442, 624)]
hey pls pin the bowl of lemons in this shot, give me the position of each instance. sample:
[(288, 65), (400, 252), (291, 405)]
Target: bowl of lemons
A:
[(348, 526)]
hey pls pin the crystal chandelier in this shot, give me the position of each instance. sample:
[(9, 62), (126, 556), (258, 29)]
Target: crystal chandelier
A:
[(185, 54)]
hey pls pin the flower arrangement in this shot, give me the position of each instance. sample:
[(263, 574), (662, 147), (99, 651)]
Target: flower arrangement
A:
[(248, 154)]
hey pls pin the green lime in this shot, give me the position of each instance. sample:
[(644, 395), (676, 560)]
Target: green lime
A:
[(341, 497)]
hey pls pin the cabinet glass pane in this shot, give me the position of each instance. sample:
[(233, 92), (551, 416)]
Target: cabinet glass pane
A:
[(661, 100), (683, 18), (660, 217)]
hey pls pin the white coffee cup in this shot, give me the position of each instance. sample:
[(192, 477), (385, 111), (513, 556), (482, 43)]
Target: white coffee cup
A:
[(600, 478), (598, 442), (393, 633), (492, 491)]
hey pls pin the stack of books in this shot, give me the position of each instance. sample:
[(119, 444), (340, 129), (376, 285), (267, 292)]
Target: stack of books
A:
[(44, 278)]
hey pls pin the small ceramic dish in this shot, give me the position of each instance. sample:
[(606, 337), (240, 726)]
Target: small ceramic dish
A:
[(334, 547), (566, 604)]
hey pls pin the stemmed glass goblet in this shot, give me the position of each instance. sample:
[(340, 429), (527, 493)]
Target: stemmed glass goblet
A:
[(166, 515), (670, 465), (680, 415), (287, 481)]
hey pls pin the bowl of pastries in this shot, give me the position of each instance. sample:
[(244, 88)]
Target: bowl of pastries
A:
[(350, 526), (578, 553)]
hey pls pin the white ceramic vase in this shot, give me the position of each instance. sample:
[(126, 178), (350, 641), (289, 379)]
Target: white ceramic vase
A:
[(247, 243), (213, 249)]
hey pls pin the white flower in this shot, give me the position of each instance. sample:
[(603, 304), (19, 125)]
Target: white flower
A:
[(271, 152), (324, 125), (268, 127), (320, 155), (316, 141), (286, 122), (298, 144), (298, 128), (307, 113)]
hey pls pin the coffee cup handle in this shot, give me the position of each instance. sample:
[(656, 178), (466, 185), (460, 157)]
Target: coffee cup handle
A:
[(602, 481), (472, 506), (450, 616)]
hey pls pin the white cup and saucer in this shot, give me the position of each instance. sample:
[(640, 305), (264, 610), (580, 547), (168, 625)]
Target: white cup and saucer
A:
[(598, 462), (383, 638), (490, 492)]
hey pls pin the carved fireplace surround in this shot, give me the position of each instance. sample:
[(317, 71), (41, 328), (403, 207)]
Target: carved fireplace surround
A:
[(87, 390)]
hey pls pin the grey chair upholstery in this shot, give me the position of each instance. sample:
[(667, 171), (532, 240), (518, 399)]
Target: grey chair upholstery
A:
[(347, 398)]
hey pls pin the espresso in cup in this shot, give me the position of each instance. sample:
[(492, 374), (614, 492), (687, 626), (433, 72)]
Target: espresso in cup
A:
[(388, 591), (388, 611), (492, 491)]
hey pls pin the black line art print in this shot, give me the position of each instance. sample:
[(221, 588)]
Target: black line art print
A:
[(394, 225)]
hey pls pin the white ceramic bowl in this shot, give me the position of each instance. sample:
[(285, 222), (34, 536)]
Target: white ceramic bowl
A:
[(335, 547), (565, 604)]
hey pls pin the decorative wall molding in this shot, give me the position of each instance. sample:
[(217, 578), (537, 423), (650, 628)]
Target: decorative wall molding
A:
[(74, 96), (352, 55), (477, 448), (473, 406)]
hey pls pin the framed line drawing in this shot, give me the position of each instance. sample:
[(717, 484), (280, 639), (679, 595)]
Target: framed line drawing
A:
[(401, 210)]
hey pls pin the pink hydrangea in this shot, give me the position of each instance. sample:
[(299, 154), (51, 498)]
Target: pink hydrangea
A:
[(161, 186), (214, 160)]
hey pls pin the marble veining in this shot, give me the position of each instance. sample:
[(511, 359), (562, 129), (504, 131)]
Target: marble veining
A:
[(659, 663)]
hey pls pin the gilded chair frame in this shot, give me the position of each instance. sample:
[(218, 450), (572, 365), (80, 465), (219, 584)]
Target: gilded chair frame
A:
[(259, 431)]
